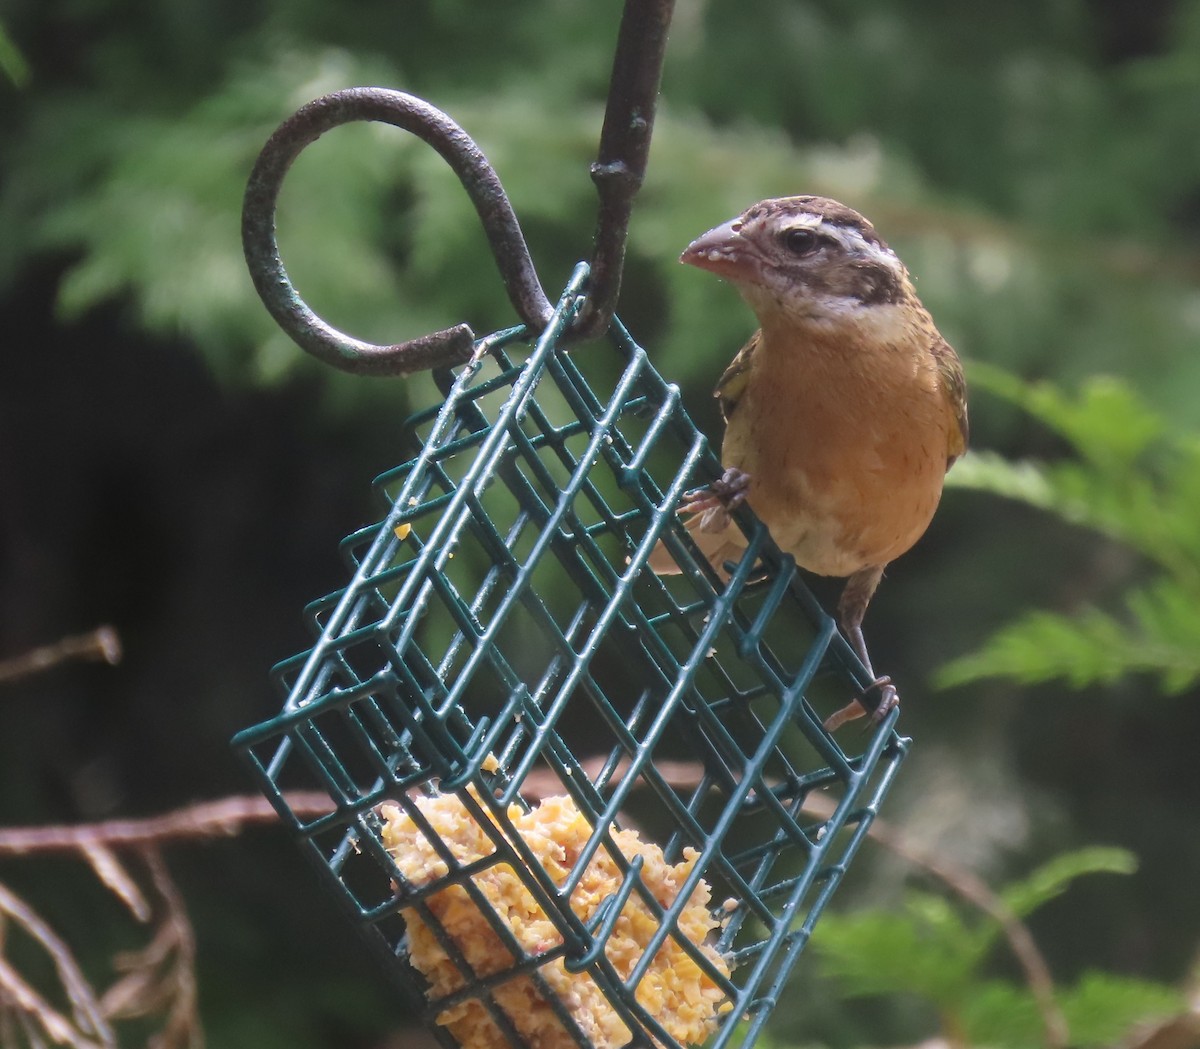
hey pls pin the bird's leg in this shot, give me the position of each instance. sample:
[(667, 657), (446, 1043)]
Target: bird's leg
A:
[(852, 607), (715, 503)]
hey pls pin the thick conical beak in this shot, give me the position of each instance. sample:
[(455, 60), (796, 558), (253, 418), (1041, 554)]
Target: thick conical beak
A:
[(722, 250)]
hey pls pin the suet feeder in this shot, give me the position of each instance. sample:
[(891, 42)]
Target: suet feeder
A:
[(570, 802)]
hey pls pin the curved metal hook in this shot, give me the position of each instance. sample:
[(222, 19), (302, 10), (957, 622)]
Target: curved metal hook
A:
[(479, 179)]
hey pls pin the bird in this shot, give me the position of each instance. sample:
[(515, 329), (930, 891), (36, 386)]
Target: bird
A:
[(842, 412)]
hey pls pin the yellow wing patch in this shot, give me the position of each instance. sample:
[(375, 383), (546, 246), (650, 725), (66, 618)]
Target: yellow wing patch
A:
[(732, 383), (954, 387)]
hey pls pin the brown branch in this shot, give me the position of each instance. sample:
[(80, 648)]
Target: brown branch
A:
[(230, 816), (112, 874), (211, 819), (162, 975), (183, 1020), (157, 979), (102, 645), (17, 995), (88, 1018)]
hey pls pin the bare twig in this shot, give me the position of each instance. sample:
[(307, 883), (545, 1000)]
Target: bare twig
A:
[(162, 975), (211, 819), (160, 978), (183, 1021), (19, 997), (102, 645), (113, 875), (230, 816), (88, 1027)]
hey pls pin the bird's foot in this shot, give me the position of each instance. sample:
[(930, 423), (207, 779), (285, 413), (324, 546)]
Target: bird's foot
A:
[(716, 502), (889, 699)]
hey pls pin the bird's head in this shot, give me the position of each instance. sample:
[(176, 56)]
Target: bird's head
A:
[(810, 257)]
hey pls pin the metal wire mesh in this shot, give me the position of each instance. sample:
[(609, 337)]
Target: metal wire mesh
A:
[(502, 639)]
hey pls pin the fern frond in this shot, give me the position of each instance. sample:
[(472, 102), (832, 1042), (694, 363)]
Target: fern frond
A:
[(1094, 647)]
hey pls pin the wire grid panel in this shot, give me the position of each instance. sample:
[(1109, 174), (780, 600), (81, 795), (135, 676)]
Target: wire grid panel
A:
[(502, 640)]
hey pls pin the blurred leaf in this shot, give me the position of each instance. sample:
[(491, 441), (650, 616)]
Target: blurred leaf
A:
[(1054, 878), (12, 62), (1106, 421), (1103, 1008), (1137, 481), (1001, 1014), (928, 949), (1100, 1010), (1090, 648), (925, 949)]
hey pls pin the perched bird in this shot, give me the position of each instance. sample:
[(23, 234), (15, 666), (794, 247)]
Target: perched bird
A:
[(843, 411)]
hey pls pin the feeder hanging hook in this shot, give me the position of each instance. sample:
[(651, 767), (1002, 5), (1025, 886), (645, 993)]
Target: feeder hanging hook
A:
[(448, 346)]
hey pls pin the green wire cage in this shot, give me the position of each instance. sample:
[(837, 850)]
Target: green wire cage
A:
[(502, 642)]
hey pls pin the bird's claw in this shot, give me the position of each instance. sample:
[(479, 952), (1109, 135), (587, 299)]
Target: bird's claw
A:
[(718, 500), (889, 699)]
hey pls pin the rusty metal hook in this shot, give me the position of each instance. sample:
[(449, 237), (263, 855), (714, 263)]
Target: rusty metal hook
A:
[(455, 146), (618, 172), (624, 149)]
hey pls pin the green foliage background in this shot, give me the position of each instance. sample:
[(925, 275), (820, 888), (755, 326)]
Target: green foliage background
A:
[(172, 464)]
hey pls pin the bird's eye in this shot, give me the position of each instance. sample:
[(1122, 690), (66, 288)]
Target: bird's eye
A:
[(801, 242)]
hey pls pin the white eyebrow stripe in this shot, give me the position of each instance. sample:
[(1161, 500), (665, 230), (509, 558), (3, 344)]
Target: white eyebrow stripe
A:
[(856, 244), (804, 220), (851, 240)]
